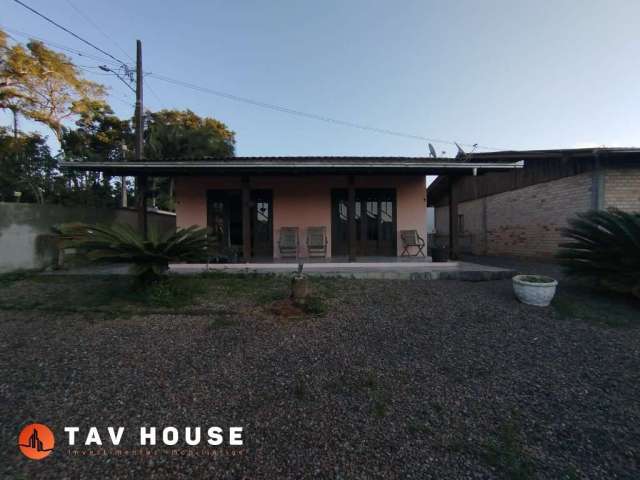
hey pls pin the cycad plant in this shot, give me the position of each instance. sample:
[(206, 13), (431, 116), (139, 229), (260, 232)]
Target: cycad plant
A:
[(604, 246), (121, 243)]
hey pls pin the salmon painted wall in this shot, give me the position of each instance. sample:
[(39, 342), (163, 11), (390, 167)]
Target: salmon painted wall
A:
[(304, 201)]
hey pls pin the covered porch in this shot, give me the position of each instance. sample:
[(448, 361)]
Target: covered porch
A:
[(362, 205)]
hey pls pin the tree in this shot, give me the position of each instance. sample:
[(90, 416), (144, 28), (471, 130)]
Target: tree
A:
[(179, 134), (44, 85), (183, 134), (26, 166)]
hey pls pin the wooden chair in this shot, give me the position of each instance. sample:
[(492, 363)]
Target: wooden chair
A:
[(288, 242), (317, 241), (411, 238)]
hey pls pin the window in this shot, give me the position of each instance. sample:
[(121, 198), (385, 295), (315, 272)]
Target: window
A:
[(460, 224)]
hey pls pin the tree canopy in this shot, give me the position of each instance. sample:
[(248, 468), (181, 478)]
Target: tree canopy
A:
[(44, 85), (183, 134)]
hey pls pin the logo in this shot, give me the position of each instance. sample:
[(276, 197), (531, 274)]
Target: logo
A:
[(36, 441)]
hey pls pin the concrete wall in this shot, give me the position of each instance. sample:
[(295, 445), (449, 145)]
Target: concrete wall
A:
[(303, 201), (24, 227)]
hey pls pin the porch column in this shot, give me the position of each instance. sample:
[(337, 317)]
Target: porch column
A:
[(453, 219), (141, 204), (351, 218), (246, 219)]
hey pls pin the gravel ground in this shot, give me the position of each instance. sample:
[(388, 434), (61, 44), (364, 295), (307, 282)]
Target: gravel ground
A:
[(399, 379)]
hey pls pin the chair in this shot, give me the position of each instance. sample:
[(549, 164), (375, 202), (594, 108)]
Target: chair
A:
[(288, 242), (317, 241), (411, 238)]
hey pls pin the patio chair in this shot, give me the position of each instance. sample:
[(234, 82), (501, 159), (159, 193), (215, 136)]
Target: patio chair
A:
[(317, 241), (288, 242), (411, 238)]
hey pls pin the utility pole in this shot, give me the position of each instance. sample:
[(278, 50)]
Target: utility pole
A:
[(141, 179)]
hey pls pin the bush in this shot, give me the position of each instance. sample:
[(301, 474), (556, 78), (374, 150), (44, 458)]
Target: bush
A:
[(604, 247), (121, 243)]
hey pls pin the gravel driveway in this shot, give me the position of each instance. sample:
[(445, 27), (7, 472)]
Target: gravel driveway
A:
[(399, 379)]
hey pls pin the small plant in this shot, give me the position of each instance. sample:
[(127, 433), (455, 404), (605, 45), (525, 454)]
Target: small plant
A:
[(506, 453), (604, 247), (121, 243)]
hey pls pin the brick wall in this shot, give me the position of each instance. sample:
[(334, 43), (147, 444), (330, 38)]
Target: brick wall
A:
[(527, 221), (523, 222), (622, 189)]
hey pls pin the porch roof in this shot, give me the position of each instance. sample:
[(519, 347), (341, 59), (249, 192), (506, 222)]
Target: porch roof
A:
[(296, 165)]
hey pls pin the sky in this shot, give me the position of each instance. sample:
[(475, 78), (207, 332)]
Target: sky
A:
[(505, 74)]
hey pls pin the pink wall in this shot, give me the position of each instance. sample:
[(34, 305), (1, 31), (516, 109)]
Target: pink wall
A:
[(304, 201)]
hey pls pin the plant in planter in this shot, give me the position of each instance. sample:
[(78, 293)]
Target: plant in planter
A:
[(535, 290), (121, 243), (604, 248)]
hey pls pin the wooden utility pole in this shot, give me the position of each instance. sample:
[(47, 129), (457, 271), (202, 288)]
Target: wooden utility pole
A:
[(141, 179)]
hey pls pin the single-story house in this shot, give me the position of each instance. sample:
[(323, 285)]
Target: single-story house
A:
[(361, 205), (521, 212)]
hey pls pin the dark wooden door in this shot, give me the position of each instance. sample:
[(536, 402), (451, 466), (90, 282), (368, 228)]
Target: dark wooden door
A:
[(375, 219), (262, 223), (224, 219)]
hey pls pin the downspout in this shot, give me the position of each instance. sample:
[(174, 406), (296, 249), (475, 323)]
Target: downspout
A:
[(597, 183)]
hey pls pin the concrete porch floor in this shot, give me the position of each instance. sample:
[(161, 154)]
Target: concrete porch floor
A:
[(416, 270)]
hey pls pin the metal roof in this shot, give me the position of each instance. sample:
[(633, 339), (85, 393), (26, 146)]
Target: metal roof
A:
[(295, 164)]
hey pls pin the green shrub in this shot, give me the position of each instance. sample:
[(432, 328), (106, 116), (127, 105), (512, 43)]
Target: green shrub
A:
[(121, 243), (604, 247)]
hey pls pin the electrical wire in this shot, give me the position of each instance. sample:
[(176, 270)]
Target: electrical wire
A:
[(68, 31), (309, 115)]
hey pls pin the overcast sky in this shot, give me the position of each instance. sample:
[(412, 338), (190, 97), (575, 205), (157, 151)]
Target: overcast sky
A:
[(503, 74)]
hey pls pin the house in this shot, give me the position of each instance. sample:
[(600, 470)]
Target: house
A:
[(361, 203), (521, 212)]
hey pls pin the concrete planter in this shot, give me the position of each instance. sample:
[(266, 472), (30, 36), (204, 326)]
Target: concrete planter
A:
[(535, 290)]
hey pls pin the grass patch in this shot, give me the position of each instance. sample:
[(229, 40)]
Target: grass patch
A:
[(7, 279), (505, 452), (597, 306)]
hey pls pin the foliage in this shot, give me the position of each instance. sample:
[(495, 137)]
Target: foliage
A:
[(26, 166), (121, 243), (604, 247), (44, 85), (183, 134), (179, 134)]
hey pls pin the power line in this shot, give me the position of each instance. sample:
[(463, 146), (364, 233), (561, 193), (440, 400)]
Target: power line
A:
[(308, 115), (97, 27), (68, 31), (61, 46), (112, 40)]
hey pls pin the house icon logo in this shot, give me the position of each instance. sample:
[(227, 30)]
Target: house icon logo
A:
[(36, 441)]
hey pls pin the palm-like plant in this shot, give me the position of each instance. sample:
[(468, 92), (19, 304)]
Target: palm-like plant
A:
[(121, 243), (604, 246)]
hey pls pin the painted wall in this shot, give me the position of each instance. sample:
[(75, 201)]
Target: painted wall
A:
[(303, 201), (25, 229)]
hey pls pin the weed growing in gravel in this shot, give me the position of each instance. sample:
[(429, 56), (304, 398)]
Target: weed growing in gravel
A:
[(314, 305), (173, 292), (300, 389), (218, 323), (506, 453)]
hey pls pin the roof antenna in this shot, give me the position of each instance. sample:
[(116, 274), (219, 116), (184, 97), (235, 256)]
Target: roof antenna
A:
[(432, 151)]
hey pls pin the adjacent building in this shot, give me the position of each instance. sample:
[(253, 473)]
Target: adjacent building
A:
[(521, 212)]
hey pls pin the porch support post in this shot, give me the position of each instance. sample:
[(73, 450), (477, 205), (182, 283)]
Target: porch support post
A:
[(351, 218), (141, 205), (246, 219), (453, 219)]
